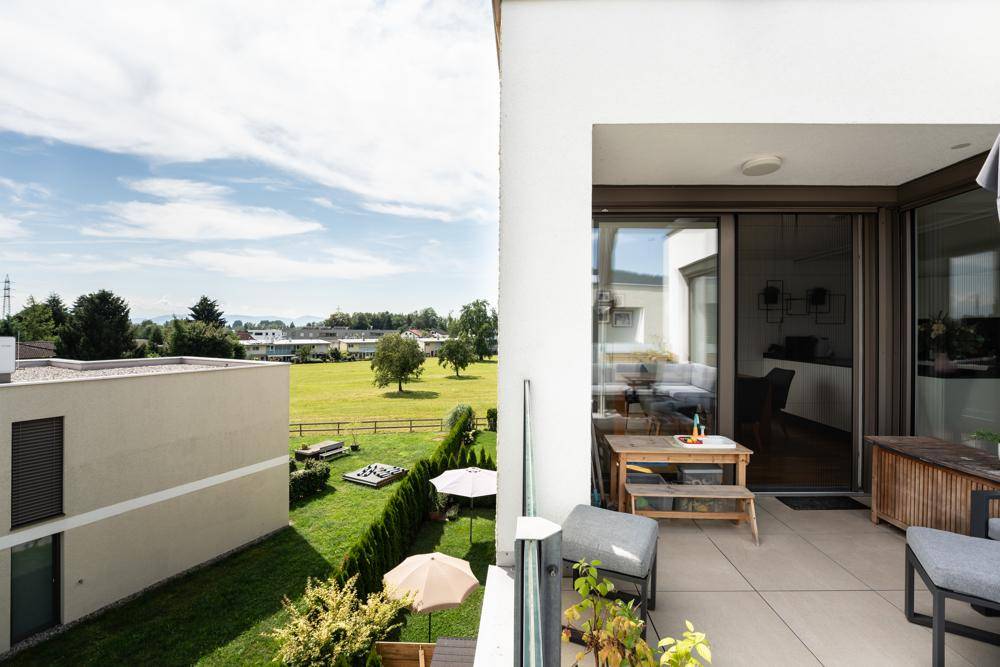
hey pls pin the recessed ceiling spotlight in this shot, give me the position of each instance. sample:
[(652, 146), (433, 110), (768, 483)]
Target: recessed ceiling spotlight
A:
[(761, 166), (964, 144)]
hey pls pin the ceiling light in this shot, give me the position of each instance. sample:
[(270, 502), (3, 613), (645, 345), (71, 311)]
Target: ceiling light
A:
[(761, 166), (961, 145)]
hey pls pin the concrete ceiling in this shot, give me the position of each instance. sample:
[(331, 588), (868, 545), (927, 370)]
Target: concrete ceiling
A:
[(711, 154)]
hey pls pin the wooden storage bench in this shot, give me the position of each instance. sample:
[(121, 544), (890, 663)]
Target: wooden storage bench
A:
[(744, 498)]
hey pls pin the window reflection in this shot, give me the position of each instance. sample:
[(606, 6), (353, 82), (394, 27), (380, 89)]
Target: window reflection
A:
[(655, 298)]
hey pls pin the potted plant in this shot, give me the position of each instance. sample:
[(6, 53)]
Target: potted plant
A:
[(438, 506), (611, 630), (986, 440), (354, 443)]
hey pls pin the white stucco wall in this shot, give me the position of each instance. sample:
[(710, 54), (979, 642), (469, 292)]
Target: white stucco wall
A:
[(568, 65)]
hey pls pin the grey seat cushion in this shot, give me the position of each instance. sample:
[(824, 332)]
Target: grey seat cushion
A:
[(994, 529), (624, 543), (960, 563)]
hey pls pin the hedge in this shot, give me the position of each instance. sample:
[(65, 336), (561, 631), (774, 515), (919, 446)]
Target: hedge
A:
[(491, 419), (308, 481), (384, 544)]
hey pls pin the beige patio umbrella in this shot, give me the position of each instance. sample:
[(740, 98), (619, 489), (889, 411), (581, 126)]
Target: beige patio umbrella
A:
[(469, 483), (432, 582)]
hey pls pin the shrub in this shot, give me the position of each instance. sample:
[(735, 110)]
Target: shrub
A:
[(334, 626), (308, 481), (383, 545), (491, 419)]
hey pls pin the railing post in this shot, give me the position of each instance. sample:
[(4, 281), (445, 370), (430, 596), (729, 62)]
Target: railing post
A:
[(537, 592), (300, 429)]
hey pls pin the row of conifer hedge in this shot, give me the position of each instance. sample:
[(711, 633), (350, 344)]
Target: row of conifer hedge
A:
[(386, 541)]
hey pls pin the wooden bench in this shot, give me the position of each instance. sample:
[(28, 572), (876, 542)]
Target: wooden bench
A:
[(744, 498), (323, 451)]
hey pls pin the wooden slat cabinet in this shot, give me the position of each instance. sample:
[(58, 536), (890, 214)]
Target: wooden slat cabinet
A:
[(919, 481)]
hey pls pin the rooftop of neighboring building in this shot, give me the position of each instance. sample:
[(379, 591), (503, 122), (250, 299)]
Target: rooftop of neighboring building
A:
[(286, 341), (30, 371)]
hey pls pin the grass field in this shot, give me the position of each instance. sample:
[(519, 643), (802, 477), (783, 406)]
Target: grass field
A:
[(344, 390), (216, 615)]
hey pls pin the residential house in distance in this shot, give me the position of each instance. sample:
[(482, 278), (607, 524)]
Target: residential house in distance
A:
[(38, 349), (334, 334), (266, 334), (430, 341), (758, 214), (285, 349), (120, 474), (358, 348)]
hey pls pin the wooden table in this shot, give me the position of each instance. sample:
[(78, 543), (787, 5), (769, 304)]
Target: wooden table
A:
[(923, 481), (626, 449)]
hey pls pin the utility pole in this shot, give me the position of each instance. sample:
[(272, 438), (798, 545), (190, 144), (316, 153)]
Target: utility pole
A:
[(5, 312)]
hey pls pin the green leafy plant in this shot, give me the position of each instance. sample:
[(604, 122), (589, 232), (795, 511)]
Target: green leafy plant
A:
[(333, 626), (611, 630), (491, 419), (680, 652), (988, 436), (397, 360), (307, 481)]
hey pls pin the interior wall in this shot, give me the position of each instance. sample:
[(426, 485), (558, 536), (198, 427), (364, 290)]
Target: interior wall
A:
[(569, 65)]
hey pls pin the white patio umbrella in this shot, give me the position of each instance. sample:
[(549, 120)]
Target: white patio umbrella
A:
[(469, 483), (989, 176), (431, 581)]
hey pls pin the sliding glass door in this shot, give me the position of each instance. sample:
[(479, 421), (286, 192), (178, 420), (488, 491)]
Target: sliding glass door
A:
[(795, 349), (956, 381), (655, 324)]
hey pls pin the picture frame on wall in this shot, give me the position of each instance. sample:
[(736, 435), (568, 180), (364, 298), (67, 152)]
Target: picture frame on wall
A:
[(621, 318), (603, 314)]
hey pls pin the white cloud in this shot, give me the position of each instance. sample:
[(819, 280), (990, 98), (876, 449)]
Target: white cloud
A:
[(395, 101), (322, 201), (404, 211), (193, 211), (178, 188), (270, 266), (81, 263), (20, 191), (11, 229)]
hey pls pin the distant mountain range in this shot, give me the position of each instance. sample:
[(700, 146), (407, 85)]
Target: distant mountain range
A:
[(302, 320)]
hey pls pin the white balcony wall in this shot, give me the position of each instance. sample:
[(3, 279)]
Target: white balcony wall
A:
[(569, 65)]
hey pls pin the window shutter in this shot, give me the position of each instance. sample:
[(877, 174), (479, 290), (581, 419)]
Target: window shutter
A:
[(36, 470)]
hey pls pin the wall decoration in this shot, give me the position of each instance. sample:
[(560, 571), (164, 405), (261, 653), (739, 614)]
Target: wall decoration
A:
[(837, 311), (621, 318), (770, 301), (603, 314)]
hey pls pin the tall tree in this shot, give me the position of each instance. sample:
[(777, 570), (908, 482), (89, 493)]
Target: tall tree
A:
[(398, 360), (60, 313), (338, 319), (198, 339), (34, 322), (457, 353), (98, 328), (477, 323), (207, 311)]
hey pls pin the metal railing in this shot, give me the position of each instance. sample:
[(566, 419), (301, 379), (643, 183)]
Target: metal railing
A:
[(537, 569), (407, 425)]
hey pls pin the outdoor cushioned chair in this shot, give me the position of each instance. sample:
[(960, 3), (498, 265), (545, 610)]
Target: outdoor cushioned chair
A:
[(624, 543), (952, 566)]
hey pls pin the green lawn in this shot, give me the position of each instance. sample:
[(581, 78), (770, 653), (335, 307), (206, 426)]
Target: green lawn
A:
[(344, 390), (452, 538), (217, 615)]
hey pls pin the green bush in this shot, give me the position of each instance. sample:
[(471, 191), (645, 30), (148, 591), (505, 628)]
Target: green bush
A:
[(384, 544), (307, 481), (333, 626), (455, 414), (491, 419)]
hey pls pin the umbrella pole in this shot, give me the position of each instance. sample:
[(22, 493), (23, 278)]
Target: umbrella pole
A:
[(472, 505), (429, 614)]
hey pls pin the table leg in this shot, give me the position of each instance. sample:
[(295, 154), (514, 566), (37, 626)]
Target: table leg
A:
[(875, 489), (741, 480), (613, 479), (622, 466)]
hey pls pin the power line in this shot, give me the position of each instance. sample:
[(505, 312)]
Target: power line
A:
[(5, 311)]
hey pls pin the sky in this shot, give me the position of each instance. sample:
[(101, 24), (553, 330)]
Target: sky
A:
[(287, 159)]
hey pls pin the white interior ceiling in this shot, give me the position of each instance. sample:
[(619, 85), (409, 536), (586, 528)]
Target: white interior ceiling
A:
[(711, 154)]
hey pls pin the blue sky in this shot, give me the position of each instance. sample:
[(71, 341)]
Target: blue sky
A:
[(342, 156)]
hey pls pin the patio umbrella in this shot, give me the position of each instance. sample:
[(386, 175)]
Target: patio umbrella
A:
[(469, 483), (432, 581), (989, 176)]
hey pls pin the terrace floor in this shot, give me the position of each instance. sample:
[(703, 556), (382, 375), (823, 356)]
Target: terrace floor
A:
[(823, 588)]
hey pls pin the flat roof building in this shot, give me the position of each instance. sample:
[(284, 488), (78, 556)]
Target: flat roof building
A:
[(116, 475)]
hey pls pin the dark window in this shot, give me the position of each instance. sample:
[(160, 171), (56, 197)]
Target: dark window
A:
[(36, 470)]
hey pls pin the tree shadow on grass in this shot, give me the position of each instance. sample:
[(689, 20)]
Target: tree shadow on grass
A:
[(416, 395), (463, 377), (189, 618), (295, 504)]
